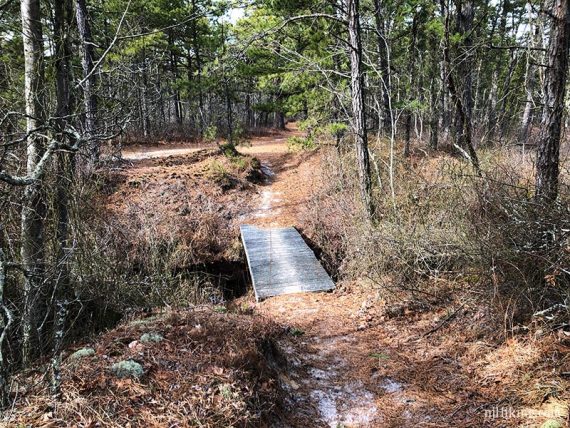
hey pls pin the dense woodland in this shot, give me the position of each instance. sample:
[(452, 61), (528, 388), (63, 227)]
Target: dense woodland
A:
[(381, 82)]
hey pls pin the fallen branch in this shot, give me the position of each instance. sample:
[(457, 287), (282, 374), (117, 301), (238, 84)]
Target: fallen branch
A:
[(549, 313), (445, 321)]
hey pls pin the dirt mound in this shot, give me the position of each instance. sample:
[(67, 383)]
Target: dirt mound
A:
[(202, 195)]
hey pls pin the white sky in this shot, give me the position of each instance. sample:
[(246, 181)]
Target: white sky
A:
[(235, 14)]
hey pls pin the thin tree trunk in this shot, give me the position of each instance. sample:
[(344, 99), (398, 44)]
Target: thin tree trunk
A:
[(6, 321), (198, 61), (465, 17), (409, 112), (89, 77), (444, 103), (386, 119), (434, 113), (33, 204), (173, 59), (529, 80), (464, 139), (547, 165), (278, 116), (190, 99), (145, 115), (248, 111), (501, 106), (492, 116), (229, 115), (494, 92), (64, 176), (358, 112)]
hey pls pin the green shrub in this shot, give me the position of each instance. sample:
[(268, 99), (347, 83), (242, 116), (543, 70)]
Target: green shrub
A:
[(296, 143), (210, 134)]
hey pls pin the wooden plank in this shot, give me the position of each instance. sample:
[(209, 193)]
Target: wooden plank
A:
[(280, 262)]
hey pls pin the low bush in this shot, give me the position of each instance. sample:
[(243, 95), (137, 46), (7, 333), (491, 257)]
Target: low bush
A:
[(439, 224)]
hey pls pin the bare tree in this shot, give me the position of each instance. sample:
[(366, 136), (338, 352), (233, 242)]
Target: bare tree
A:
[(358, 112), (547, 165), (33, 205), (89, 76)]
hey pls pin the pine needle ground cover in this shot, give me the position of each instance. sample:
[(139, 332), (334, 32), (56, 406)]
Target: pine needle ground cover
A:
[(211, 369)]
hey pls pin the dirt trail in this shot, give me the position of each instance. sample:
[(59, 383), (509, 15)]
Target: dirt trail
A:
[(347, 361), (289, 177), (140, 151), (323, 352)]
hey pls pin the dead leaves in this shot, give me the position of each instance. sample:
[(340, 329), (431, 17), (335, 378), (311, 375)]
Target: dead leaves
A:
[(198, 376)]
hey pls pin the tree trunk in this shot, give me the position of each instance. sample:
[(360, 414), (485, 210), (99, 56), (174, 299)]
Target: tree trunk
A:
[(278, 116), (494, 92), (502, 104), (145, 115), (409, 112), (383, 65), (173, 59), (529, 83), (6, 320), (443, 101), (465, 17), (33, 204), (250, 121), (64, 177), (229, 116), (547, 165), (464, 141), (358, 112), (198, 61), (434, 113), (89, 77)]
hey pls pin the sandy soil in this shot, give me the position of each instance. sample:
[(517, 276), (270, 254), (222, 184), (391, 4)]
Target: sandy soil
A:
[(290, 177), (142, 151)]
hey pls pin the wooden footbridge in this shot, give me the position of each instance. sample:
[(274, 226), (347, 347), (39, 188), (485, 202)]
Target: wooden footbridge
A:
[(280, 262)]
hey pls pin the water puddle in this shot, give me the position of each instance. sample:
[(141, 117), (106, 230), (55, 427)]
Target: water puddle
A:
[(266, 169)]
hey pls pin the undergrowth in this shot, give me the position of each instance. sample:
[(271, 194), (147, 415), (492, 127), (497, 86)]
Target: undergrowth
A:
[(440, 226)]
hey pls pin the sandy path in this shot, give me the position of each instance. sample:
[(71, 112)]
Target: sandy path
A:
[(325, 355), (140, 152), (290, 177)]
